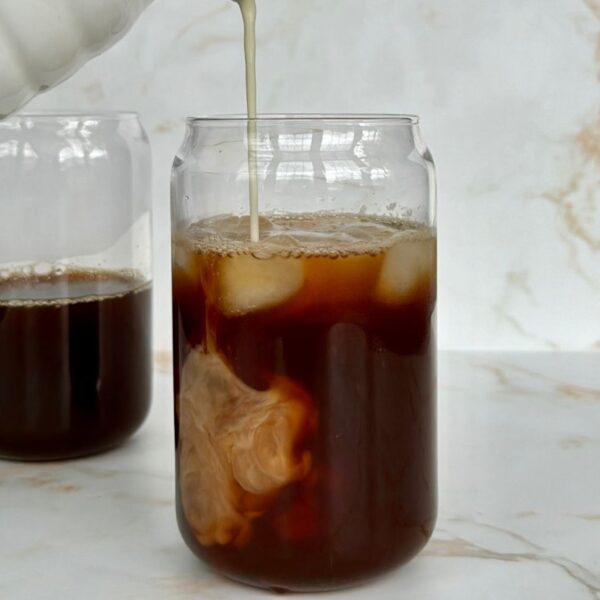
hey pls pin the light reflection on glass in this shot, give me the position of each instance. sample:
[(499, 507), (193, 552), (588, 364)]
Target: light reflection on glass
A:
[(68, 126), (262, 168), (371, 135), (337, 141), (291, 170), (9, 148), (295, 142), (341, 170), (379, 173), (264, 145), (97, 153), (359, 150), (334, 155), (88, 127), (72, 151), (29, 152), (12, 148)]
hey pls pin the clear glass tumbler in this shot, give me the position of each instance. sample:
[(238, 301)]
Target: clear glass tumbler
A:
[(75, 283), (305, 360)]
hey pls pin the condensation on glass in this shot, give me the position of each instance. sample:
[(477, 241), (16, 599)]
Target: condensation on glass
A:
[(305, 362)]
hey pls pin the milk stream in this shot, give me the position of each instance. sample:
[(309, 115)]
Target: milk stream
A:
[(248, 8)]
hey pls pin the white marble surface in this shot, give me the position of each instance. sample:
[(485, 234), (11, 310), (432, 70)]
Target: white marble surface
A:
[(508, 93), (519, 508)]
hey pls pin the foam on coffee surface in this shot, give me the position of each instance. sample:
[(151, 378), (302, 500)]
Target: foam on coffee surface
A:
[(60, 285), (301, 235)]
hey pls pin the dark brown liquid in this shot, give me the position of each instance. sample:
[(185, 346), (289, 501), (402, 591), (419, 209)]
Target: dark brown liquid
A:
[(75, 363), (366, 371)]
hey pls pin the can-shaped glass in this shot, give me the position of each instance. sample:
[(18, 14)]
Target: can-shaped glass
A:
[(304, 346), (75, 283)]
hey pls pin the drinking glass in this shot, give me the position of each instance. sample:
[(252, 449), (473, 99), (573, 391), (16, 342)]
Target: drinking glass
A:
[(304, 361), (75, 283)]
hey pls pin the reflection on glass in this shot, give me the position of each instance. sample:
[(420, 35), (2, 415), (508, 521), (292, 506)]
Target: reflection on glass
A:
[(341, 170), (297, 169), (29, 152), (350, 159), (263, 166), (12, 148), (359, 151), (379, 173), (72, 151), (337, 141), (298, 142), (9, 148), (97, 153), (69, 127), (371, 135)]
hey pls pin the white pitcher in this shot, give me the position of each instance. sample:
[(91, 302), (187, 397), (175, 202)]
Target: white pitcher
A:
[(43, 42)]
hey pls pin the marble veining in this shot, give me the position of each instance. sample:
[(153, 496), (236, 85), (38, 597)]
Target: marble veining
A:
[(524, 551), (519, 499), (594, 6)]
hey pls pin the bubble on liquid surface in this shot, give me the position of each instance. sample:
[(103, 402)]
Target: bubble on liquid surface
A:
[(315, 234), (43, 269)]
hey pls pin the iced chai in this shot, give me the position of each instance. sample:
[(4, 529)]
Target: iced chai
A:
[(305, 396)]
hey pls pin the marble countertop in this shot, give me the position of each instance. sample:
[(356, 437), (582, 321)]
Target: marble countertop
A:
[(519, 499)]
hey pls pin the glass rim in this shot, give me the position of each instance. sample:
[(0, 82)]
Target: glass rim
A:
[(54, 115), (366, 118)]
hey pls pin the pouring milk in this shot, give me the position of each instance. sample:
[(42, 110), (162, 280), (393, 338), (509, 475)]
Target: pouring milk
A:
[(43, 42)]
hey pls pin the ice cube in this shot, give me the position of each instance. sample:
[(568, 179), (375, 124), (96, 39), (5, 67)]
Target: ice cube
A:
[(237, 447), (335, 281), (408, 268), (247, 284), (184, 262)]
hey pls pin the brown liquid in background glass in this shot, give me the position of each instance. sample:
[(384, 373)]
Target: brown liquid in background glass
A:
[(305, 401), (75, 362)]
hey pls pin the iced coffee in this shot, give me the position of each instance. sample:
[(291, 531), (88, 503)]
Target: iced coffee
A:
[(75, 361), (75, 283), (304, 382)]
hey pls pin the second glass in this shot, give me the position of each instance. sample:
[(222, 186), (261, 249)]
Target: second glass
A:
[(304, 362), (75, 283)]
